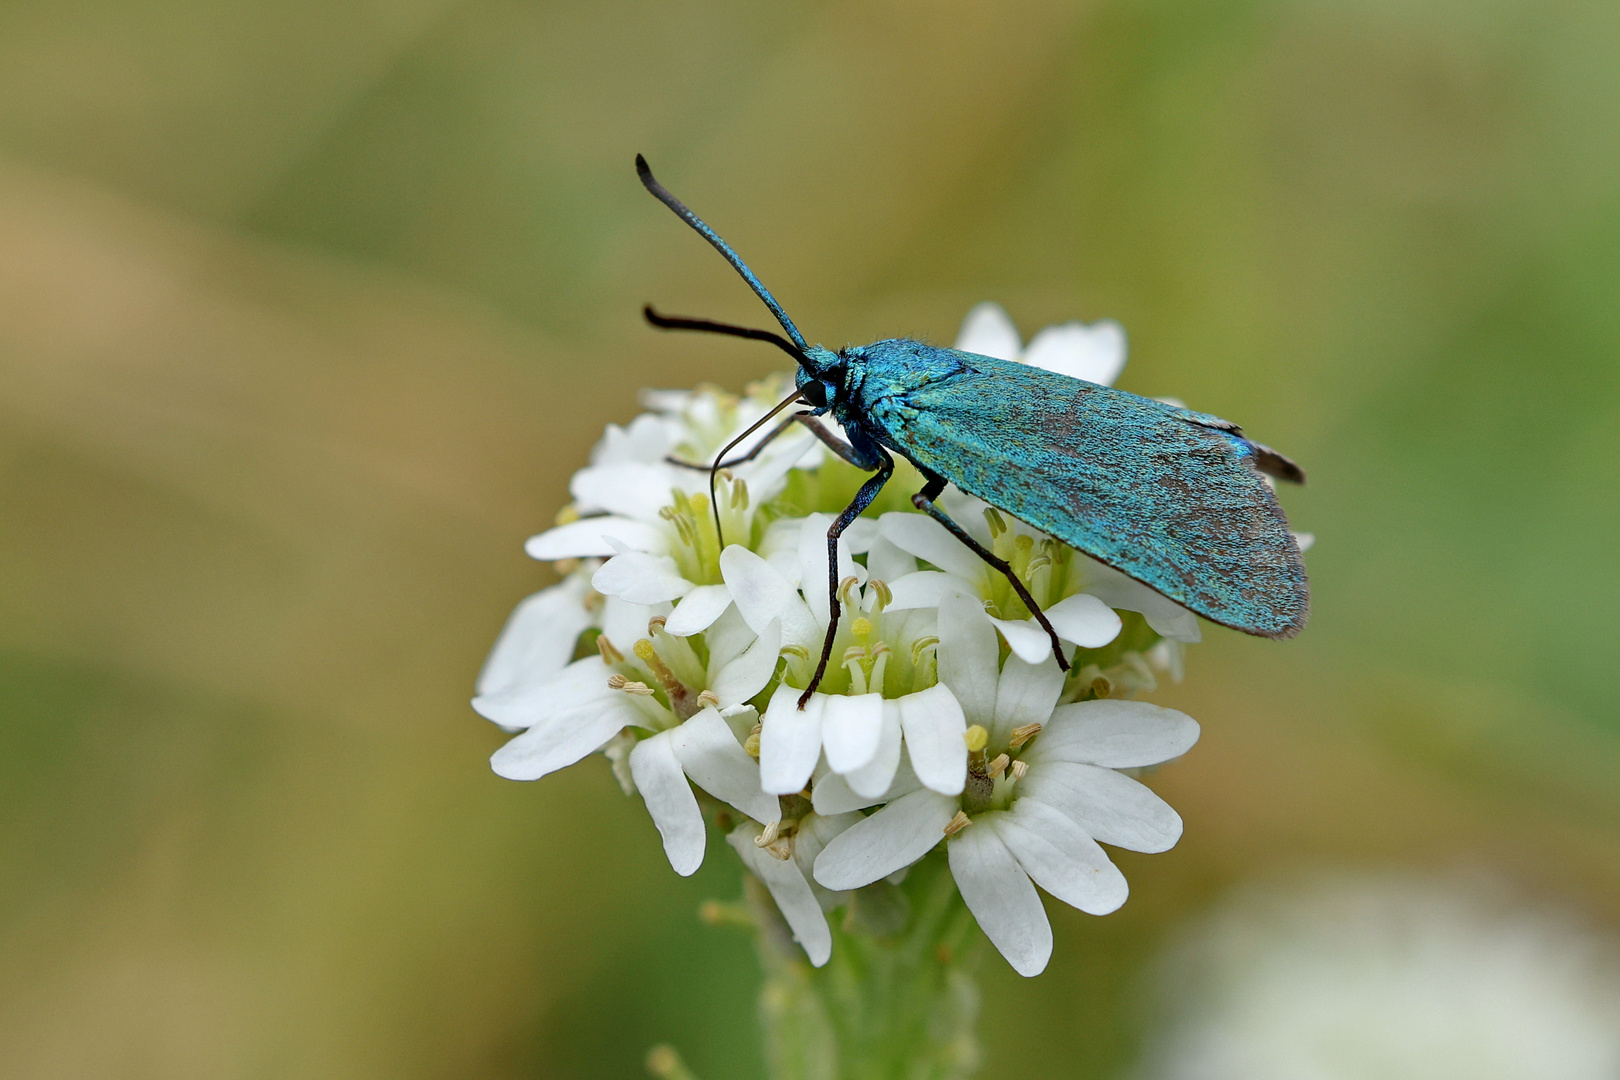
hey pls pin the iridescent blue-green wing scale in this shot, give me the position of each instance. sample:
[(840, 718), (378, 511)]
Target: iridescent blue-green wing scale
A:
[(1170, 497)]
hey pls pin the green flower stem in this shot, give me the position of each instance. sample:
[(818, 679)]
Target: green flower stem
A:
[(897, 1000)]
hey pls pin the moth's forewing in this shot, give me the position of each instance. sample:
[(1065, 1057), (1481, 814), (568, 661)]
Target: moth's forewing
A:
[(1176, 505)]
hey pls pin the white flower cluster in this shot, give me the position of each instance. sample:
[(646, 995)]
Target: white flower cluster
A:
[(943, 718)]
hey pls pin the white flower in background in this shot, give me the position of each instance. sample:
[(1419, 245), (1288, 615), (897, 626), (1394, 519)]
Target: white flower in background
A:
[(1095, 353), (921, 731), (1389, 979), (1043, 789)]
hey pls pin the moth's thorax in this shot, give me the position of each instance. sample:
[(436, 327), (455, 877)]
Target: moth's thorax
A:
[(892, 368)]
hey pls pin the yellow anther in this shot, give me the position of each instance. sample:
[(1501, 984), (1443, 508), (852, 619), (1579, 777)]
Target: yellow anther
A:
[(655, 624), (882, 595), (1019, 768), (566, 566), (920, 646), (616, 681), (610, 655), (751, 746), (998, 524), (976, 737), (798, 652), (707, 699), (998, 765), (846, 590), (767, 837), (739, 495), (619, 682), (700, 504), (1022, 735), (958, 823), (1101, 687), (669, 513), (568, 514), (1024, 543)]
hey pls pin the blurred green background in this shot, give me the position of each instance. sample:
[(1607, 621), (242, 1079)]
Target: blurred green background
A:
[(307, 311)]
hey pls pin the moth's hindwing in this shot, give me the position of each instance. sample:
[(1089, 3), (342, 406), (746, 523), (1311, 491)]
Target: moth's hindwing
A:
[(1175, 504)]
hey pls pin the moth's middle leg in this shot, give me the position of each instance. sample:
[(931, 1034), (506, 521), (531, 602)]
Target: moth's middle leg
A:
[(863, 499), (924, 501)]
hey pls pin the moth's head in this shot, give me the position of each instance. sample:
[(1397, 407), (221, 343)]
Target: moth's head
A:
[(821, 376)]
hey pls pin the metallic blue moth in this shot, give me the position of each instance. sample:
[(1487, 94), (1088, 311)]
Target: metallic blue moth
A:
[(1172, 497)]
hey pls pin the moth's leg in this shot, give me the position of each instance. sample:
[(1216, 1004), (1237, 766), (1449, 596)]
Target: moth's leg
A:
[(770, 436), (924, 501), (863, 499), (831, 441)]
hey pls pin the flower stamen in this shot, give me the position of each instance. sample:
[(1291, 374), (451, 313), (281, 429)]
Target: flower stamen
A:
[(1022, 735), (958, 823)]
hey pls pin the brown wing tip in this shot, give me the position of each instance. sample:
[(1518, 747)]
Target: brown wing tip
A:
[(1274, 464)]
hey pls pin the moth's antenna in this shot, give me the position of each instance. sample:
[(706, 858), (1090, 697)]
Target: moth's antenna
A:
[(722, 247), (678, 322)]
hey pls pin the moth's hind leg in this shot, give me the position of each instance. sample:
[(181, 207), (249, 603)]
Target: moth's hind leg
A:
[(863, 499), (924, 501)]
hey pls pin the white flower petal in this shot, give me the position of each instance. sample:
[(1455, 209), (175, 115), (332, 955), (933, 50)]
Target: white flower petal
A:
[(674, 809), (833, 795), (791, 892), (1000, 895), (1095, 353), (581, 686), (1025, 695), (761, 594), (789, 741), (624, 623), (1114, 734), (1180, 626), (629, 489), (698, 610), (967, 657), (1061, 858), (850, 729), (538, 640), (816, 831), (647, 438), (747, 675), (813, 564), (878, 774), (1117, 590), (925, 589), (894, 837), (596, 536), (989, 331), (1109, 806), (711, 755), (927, 539), (641, 578), (562, 737), (934, 725), (1084, 620), (726, 638), (886, 562), (1025, 637)]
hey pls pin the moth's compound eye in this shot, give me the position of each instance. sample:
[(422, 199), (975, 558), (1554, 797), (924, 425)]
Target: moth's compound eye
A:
[(815, 392)]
